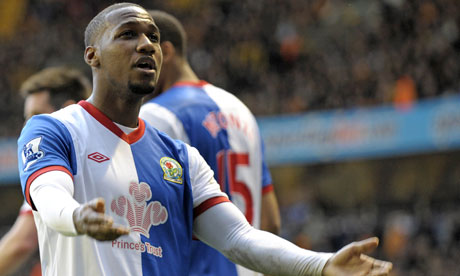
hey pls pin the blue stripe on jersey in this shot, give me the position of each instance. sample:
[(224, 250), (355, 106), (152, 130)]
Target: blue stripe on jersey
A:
[(176, 233), (191, 105), (44, 142), (204, 265)]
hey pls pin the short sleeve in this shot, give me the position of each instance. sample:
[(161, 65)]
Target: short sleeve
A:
[(45, 145), (205, 189)]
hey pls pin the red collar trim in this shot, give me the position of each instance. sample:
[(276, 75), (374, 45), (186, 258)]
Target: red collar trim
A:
[(199, 83), (105, 121)]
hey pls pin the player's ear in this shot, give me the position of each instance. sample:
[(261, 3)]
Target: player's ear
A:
[(168, 51), (91, 56)]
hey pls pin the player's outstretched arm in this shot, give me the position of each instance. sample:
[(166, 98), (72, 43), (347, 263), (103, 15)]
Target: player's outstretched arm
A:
[(52, 194), (90, 219), (224, 227), (350, 261)]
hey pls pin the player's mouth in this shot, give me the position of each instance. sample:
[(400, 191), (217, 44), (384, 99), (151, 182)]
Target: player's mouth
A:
[(146, 64)]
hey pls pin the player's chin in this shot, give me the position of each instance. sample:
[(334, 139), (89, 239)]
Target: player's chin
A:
[(142, 88)]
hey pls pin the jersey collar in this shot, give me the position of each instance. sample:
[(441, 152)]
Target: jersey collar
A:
[(105, 121)]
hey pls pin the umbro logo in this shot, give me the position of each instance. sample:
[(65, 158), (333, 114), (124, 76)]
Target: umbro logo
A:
[(98, 157)]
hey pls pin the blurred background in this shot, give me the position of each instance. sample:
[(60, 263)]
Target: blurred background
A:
[(358, 102)]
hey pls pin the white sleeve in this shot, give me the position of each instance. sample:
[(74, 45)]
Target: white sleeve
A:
[(204, 186), (225, 228), (52, 194), (164, 120)]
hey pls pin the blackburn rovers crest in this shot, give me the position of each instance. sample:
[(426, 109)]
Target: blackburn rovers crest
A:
[(172, 170)]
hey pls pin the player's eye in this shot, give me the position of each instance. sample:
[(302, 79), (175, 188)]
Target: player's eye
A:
[(128, 34), (154, 37)]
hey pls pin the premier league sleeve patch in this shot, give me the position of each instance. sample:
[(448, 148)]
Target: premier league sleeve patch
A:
[(31, 152), (172, 170)]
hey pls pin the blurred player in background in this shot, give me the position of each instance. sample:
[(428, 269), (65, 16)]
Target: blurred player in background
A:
[(74, 160), (225, 133), (44, 92)]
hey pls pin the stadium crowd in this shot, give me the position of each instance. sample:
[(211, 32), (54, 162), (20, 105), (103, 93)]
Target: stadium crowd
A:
[(280, 56), (284, 56)]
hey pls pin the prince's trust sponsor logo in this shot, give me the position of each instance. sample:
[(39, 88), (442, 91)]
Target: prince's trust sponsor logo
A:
[(140, 216), (138, 246)]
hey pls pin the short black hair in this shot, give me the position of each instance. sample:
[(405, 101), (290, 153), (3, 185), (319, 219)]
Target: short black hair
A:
[(170, 30), (99, 22), (63, 83)]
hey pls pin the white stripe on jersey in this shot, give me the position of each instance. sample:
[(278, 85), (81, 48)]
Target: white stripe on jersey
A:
[(164, 120), (243, 137)]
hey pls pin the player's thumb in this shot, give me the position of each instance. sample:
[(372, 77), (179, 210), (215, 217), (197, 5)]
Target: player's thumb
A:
[(365, 246), (97, 204)]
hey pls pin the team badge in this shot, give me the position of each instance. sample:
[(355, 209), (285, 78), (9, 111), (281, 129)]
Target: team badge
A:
[(31, 152), (172, 170)]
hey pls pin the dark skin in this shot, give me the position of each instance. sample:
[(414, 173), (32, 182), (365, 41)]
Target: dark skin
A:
[(130, 36), (125, 60), (175, 68)]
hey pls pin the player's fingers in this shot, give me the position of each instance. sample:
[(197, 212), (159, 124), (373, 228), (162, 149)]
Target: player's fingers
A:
[(381, 268), (376, 264), (100, 207), (97, 204), (380, 272), (94, 218), (120, 229), (367, 259), (104, 233), (379, 263), (99, 230), (104, 236), (365, 246), (107, 228)]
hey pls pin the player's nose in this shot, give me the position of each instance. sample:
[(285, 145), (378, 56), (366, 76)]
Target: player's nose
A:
[(145, 45)]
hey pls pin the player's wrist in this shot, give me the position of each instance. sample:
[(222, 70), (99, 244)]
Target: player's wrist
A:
[(68, 226), (77, 218), (317, 263)]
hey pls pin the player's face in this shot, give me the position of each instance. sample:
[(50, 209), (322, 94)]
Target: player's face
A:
[(130, 50), (37, 103), (162, 78)]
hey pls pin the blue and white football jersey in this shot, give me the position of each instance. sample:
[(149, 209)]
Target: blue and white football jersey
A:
[(226, 134), (150, 182)]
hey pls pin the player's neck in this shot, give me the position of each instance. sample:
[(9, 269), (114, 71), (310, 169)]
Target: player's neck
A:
[(184, 73), (187, 74), (119, 110)]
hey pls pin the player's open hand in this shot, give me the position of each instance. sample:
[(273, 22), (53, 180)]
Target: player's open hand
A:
[(90, 219), (351, 261)]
